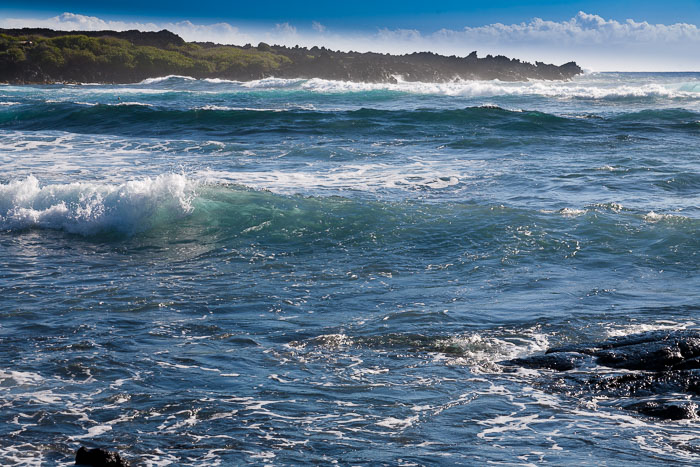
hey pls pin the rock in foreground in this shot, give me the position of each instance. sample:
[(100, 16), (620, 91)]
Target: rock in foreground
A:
[(656, 373), (99, 458)]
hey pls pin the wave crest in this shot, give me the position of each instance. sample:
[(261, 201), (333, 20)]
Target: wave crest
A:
[(161, 79), (92, 208), (581, 88)]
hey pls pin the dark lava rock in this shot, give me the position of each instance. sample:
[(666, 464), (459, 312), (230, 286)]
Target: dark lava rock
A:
[(559, 362), (99, 458), (651, 351), (650, 356), (666, 410), (656, 365), (643, 384)]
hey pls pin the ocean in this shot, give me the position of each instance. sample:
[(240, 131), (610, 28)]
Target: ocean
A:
[(285, 272)]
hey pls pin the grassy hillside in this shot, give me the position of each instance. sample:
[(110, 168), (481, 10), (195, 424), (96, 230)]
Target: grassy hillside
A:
[(79, 58)]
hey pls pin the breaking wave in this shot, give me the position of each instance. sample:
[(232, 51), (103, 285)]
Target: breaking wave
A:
[(576, 89), (91, 208)]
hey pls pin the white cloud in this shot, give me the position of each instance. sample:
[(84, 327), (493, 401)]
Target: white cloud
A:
[(71, 21), (583, 28), (218, 32), (594, 42), (318, 27), (285, 29)]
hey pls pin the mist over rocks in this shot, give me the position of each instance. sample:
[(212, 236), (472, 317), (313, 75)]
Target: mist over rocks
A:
[(49, 56)]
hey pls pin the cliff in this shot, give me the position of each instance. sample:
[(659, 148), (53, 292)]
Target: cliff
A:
[(47, 56)]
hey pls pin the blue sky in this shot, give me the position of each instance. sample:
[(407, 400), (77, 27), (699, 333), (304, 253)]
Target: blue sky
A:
[(640, 35), (368, 14)]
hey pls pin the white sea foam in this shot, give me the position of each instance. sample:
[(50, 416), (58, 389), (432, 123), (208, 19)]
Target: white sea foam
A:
[(397, 423), (466, 88), (584, 87), (481, 352), (88, 208), (166, 78), (93, 432), (423, 175), (19, 378), (220, 81), (572, 212), (266, 83), (143, 104), (652, 217), (615, 330), (226, 107)]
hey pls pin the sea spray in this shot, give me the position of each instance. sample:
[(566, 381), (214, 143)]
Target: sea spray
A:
[(88, 208)]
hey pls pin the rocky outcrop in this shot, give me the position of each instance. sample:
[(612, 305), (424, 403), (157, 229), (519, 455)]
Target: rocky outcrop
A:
[(99, 458), (655, 374)]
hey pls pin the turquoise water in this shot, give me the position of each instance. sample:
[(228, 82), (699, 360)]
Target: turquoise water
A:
[(307, 271)]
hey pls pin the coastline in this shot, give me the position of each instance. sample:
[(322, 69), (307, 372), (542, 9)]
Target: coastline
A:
[(45, 56)]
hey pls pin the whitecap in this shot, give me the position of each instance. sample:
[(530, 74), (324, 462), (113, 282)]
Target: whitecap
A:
[(492, 88), (221, 81), (411, 176), (166, 78), (89, 208), (652, 216), (571, 212)]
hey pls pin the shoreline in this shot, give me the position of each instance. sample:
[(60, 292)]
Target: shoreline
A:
[(45, 56)]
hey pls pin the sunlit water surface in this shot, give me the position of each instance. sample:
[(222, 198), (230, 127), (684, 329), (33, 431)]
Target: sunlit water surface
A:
[(308, 271)]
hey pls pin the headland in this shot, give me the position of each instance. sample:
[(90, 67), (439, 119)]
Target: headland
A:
[(43, 56)]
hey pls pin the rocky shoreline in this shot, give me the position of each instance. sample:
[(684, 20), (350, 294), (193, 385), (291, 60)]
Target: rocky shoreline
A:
[(30, 56), (656, 374)]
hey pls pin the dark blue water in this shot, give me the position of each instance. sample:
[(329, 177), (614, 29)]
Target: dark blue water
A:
[(289, 271)]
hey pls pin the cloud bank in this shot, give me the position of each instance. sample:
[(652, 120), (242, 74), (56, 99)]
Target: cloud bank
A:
[(594, 42)]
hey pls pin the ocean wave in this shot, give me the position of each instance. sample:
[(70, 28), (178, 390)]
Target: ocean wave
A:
[(132, 103), (91, 208), (411, 176), (133, 119), (162, 79), (138, 118), (498, 88), (275, 83), (652, 216), (247, 109), (463, 88), (221, 80), (579, 88), (243, 206)]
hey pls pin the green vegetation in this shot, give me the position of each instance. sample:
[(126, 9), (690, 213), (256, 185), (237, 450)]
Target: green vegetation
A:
[(48, 56), (226, 58), (79, 57)]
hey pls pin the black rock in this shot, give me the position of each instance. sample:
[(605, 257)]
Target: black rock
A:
[(650, 356), (666, 410), (643, 383), (99, 458), (559, 362), (656, 365), (690, 340)]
